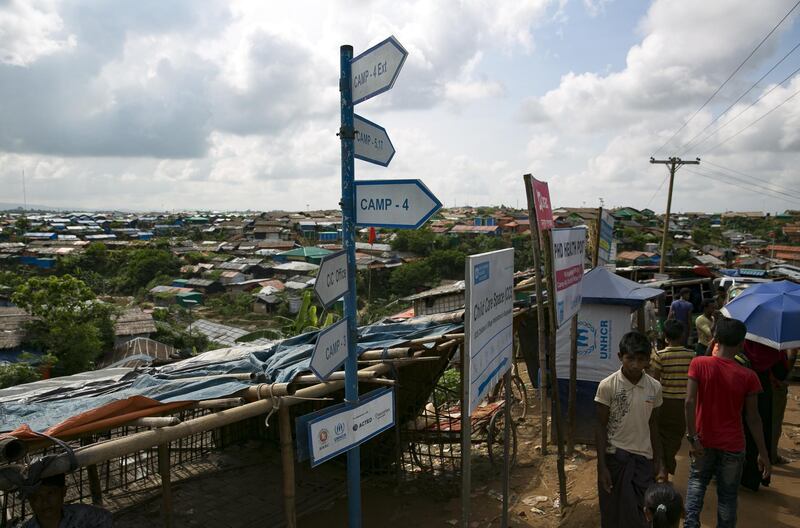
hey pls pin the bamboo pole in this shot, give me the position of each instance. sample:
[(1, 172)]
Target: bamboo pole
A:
[(100, 452), (155, 421), (557, 419), (166, 487), (94, 484), (537, 272), (287, 458), (221, 403), (596, 247), (573, 385)]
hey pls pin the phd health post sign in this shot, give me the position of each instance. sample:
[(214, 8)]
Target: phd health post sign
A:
[(489, 320), (569, 246)]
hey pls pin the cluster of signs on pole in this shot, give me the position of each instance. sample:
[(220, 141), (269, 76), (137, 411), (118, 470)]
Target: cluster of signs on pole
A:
[(404, 204)]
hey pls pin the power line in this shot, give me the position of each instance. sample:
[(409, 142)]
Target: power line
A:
[(657, 191), (751, 105), (790, 194), (775, 185), (728, 79), (685, 146), (748, 189), (754, 122)]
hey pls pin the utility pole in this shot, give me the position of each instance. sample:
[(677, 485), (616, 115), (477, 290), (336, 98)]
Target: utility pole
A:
[(673, 164)]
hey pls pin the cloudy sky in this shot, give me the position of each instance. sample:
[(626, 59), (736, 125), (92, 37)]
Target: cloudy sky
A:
[(179, 104)]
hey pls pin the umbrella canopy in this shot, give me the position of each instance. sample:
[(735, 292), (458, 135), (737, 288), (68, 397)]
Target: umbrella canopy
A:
[(601, 286), (771, 312)]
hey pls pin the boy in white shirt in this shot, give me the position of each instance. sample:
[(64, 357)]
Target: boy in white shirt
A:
[(628, 445)]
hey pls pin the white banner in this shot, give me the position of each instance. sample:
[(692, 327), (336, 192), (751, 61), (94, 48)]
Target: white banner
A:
[(606, 238), (569, 246), (332, 434), (489, 320), (600, 328)]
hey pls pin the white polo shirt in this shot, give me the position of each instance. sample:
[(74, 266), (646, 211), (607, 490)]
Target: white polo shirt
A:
[(630, 407)]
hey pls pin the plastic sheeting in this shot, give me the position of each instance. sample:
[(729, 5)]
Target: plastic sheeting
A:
[(51, 405)]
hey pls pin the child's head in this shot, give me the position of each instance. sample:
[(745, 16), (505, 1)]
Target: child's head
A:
[(730, 332), (663, 506), (709, 305), (674, 331), (686, 293), (634, 353)]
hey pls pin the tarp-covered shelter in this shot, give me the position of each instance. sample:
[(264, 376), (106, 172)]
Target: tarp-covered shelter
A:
[(605, 316)]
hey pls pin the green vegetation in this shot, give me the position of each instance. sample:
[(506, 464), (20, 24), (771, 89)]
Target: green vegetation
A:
[(16, 374), (69, 322), (231, 304)]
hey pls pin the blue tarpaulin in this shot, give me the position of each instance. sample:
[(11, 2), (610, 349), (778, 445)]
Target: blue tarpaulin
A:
[(601, 286), (49, 402)]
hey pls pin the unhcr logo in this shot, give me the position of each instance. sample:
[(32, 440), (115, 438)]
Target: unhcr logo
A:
[(587, 338)]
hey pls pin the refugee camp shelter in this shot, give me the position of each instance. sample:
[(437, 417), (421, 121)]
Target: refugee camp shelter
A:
[(605, 316)]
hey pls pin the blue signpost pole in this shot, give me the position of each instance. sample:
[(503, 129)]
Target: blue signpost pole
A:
[(347, 136)]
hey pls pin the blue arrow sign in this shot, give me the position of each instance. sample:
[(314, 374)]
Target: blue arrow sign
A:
[(372, 143), (398, 204), (376, 70)]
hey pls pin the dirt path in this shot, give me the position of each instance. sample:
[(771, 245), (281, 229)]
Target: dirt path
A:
[(417, 507)]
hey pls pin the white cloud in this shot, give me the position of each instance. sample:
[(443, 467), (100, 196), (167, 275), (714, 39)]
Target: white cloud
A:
[(30, 30)]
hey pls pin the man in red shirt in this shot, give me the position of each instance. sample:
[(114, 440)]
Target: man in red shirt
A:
[(717, 391)]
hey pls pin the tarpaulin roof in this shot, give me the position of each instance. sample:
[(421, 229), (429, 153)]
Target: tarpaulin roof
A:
[(104, 398), (601, 286)]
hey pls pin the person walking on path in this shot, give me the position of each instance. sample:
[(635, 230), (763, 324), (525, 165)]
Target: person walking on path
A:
[(779, 400), (628, 443), (670, 367), (717, 391), (681, 310), (663, 506), (705, 327), (768, 364)]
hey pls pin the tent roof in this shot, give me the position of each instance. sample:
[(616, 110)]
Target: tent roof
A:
[(601, 286)]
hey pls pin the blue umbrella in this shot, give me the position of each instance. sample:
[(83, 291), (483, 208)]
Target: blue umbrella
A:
[(771, 312)]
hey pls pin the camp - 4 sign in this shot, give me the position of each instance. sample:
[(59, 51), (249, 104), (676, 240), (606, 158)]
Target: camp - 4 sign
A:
[(335, 431), (399, 204), (330, 350), (376, 70), (569, 246)]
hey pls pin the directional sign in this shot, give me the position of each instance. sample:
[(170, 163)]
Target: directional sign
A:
[(372, 143), (375, 70), (399, 204), (331, 281), (330, 351)]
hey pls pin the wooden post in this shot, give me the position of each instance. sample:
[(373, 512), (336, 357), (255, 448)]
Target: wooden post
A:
[(94, 485), (537, 277), (573, 385), (166, 488), (287, 458), (557, 420)]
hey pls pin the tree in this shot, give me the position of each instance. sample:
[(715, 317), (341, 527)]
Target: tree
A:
[(69, 322), (418, 241), (143, 265), (22, 224), (412, 277)]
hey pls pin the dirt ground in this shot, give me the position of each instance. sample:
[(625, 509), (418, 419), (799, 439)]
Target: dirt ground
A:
[(241, 488), (535, 478)]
